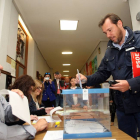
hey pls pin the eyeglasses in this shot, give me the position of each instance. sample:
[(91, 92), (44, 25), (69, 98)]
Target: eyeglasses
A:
[(47, 73), (40, 88)]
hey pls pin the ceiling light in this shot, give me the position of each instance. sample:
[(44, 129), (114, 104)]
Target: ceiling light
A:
[(67, 52), (65, 75), (66, 64), (66, 71), (68, 24)]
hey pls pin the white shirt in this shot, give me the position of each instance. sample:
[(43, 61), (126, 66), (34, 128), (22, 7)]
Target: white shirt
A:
[(120, 46), (75, 98)]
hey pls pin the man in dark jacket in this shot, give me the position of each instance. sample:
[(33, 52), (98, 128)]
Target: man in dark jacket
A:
[(117, 62), (59, 85)]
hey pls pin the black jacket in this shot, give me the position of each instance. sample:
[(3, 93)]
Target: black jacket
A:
[(33, 109), (61, 83), (118, 64)]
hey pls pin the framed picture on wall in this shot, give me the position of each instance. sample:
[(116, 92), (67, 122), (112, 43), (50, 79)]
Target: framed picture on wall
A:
[(21, 45), (21, 51)]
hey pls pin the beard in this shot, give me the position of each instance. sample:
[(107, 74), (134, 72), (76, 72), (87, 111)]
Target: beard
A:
[(120, 37)]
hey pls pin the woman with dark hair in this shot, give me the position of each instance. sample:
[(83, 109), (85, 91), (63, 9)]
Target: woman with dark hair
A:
[(48, 98), (15, 132), (74, 100), (26, 84)]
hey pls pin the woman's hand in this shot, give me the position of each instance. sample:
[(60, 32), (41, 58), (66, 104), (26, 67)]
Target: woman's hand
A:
[(111, 101), (19, 92), (41, 125), (85, 107), (33, 117), (50, 80), (48, 109), (44, 80), (77, 105)]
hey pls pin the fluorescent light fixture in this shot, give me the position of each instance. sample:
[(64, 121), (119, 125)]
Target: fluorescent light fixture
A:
[(66, 71), (68, 24), (67, 52), (66, 64), (65, 75)]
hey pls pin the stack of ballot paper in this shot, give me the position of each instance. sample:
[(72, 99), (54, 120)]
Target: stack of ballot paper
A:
[(55, 109), (51, 118), (54, 135), (48, 119), (80, 126)]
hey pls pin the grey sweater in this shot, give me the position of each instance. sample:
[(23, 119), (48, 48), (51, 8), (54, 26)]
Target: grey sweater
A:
[(15, 132)]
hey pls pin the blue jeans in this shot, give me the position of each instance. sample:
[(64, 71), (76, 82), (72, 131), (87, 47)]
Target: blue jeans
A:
[(129, 123), (59, 100)]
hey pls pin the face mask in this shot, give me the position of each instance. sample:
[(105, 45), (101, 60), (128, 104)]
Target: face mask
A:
[(47, 78)]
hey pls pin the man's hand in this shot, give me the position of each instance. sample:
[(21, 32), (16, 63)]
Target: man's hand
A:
[(19, 92), (82, 77), (41, 125), (48, 109), (122, 85), (33, 117)]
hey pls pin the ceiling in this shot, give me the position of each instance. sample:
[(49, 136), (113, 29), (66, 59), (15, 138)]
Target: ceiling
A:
[(42, 19)]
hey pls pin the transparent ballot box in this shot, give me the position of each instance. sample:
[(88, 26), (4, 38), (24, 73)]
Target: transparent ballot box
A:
[(88, 118)]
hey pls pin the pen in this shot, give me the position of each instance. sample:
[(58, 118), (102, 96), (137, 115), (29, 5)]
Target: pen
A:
[(79, 79)]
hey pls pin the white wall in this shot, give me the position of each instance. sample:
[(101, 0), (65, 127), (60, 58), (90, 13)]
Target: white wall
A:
[(134, 9), (7, 13), (103, 46), (12, 37), (41, 64), (35, 60), (31, 58), (8, 41)]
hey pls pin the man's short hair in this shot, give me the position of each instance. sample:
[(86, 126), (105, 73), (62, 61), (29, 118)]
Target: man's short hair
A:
[(57, 73), (113, 18)]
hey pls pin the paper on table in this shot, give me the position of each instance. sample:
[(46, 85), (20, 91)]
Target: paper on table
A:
[(20, 107), (55, 109), (49, 119), (80, 126), (54, 135)]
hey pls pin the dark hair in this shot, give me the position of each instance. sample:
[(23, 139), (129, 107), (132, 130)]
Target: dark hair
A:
[(47, 73), (70, 83), (113, 18), (24, 84), (57, 73)]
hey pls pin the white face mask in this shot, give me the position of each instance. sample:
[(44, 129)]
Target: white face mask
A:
[(47, 78)]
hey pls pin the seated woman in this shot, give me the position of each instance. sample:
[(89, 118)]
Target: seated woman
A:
[(74, 100), (16, 132), (48, 98), (23, 83), (36, 100)]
